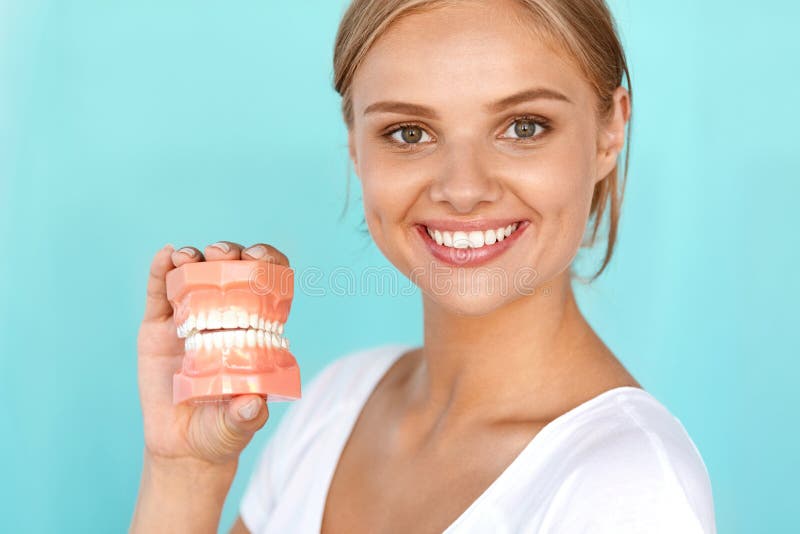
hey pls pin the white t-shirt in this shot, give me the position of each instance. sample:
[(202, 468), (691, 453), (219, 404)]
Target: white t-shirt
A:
[(618, 463)]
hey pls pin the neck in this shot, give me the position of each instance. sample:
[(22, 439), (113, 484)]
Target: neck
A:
[(473, 364)]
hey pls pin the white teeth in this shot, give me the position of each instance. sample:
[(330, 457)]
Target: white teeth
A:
[(214, 321), (241, 330), (240, 337), (229, 319), (228, 339), (186, 328), (475, 239), (472, 239), (190, 342), (260, 338), (460, 240)]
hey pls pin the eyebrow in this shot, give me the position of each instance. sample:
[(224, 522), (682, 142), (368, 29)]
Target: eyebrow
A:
[(536, 93)]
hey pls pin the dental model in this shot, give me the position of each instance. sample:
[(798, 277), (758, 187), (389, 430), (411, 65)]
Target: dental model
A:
[(232, 315)]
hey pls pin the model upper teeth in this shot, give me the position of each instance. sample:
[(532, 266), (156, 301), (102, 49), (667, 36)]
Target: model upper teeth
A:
[(473, 239), (204, 330)]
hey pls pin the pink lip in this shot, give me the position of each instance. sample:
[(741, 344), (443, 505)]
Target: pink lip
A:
[(470, 257)]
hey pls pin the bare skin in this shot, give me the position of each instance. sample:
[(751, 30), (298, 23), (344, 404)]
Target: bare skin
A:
[(495, 368), (191, 453)]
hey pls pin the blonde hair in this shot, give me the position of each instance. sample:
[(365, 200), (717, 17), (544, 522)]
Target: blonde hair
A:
[(584, 29)]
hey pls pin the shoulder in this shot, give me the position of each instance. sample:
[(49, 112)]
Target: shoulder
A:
[(632, 467)]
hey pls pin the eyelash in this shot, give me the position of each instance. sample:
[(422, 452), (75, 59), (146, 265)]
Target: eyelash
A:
[(541, 121)]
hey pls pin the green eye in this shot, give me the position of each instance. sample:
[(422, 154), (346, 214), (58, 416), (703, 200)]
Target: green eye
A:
[(409, 134), (525, 128)]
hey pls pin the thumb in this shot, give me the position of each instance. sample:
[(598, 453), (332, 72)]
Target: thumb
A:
[(243, 416), (245, 413)]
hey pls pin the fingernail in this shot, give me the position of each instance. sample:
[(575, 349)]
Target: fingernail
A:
[(223, 246), (188, 251), (256, 251), (249, 410), (168, 245)]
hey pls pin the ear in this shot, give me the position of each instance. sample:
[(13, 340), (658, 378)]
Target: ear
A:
[(612, 135), (351, 148)]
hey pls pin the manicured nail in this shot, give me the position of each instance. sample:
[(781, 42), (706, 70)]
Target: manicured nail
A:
[(223, 246), (189, 251), (256, 251), (249, 410), (168, 246)]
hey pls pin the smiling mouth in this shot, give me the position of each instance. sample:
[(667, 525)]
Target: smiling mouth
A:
[(471, 239)]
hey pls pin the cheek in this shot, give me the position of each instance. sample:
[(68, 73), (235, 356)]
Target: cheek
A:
[(389, 188), (558, 186), (383, 200), (387, 195)]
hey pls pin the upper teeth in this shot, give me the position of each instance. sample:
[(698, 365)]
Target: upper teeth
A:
[(241, 329), (228, 319), (474, 239), (227, 339)]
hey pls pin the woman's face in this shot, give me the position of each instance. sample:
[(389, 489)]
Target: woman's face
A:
[(442, 141)]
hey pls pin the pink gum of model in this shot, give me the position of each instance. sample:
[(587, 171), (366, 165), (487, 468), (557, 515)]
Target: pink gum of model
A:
[(232, 315)]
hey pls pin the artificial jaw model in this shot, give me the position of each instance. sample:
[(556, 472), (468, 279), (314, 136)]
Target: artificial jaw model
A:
[(232, 315)]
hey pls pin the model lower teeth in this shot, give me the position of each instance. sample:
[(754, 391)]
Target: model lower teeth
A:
[(229, 329), (474, 239)]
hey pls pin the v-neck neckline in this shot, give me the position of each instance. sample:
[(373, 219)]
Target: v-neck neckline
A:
[(382, 370)]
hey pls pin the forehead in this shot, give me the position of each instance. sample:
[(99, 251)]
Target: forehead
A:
[(473, 52)]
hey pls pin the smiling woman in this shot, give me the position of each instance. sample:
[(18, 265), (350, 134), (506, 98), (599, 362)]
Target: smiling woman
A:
[(580, 34), (486, 137)]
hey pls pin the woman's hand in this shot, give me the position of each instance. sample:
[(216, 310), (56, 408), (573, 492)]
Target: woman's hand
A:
[(204, 435)]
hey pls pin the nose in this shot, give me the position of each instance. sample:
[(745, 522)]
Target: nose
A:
[(464, 181)]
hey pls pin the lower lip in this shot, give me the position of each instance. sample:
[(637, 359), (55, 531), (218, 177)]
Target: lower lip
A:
[(470, 257)]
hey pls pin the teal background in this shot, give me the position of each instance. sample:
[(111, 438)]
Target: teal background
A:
[(124, 126)]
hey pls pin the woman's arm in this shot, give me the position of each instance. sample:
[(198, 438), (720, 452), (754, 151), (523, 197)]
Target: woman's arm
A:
[(181, 496)]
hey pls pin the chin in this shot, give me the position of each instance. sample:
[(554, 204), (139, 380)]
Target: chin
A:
[(472, 300)]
